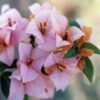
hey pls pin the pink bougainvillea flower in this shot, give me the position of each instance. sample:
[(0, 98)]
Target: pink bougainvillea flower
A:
[(29, 80), (50, 28), (40, 26), (41, 87), (60, 73), (6, 48), (60, 27), (37, 56), (9, 19), (56, 47), (59, 24), (49, 90), (12, 27), (46, 22), (12, 20)]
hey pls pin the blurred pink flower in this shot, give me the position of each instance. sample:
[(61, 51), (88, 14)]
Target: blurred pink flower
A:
[(25, 63), (46, 22), (60, 72), (30, 81), (6, 47), (41, 87), (12, 21), (40, 26), (12, 27), (48, 27)]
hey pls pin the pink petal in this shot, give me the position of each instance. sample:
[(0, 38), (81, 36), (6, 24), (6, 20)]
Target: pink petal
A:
[(11, 27), (7, 56), (46, 95), (4, 33), (19, 32), (16, 90), (76, 33), (39, 53), (16, 75), (69, 63), (60, 42), (10, 54), (10, 14), (59, 23), (48, 45), (24, 50), (48, 91), (60, 79), (35, 87), (28, 74), (7, 38), (43, 16), (50, 60), (39, 58), (33, 29)]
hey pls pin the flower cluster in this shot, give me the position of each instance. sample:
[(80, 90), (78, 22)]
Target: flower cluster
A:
[(48, 49)]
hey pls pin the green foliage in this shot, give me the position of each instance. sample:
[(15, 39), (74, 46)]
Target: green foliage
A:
[(2, 67), (92, 47), (72, 52), (88, 69), (5, 83), (72, 22), (25, 97)]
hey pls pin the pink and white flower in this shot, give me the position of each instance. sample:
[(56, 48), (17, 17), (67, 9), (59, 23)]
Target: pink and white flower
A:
[(29, 80), (60, 72), (12, 27), (46, 22), (12, 21), (6, 47)]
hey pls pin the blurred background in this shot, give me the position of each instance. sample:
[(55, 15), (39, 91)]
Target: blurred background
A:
[(89, 11)]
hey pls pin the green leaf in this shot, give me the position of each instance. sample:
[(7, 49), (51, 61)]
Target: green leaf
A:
[(26, 97), (92, 47), (5, 83), (2, 67), (88, 69), (72, 52), (72, 22)]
